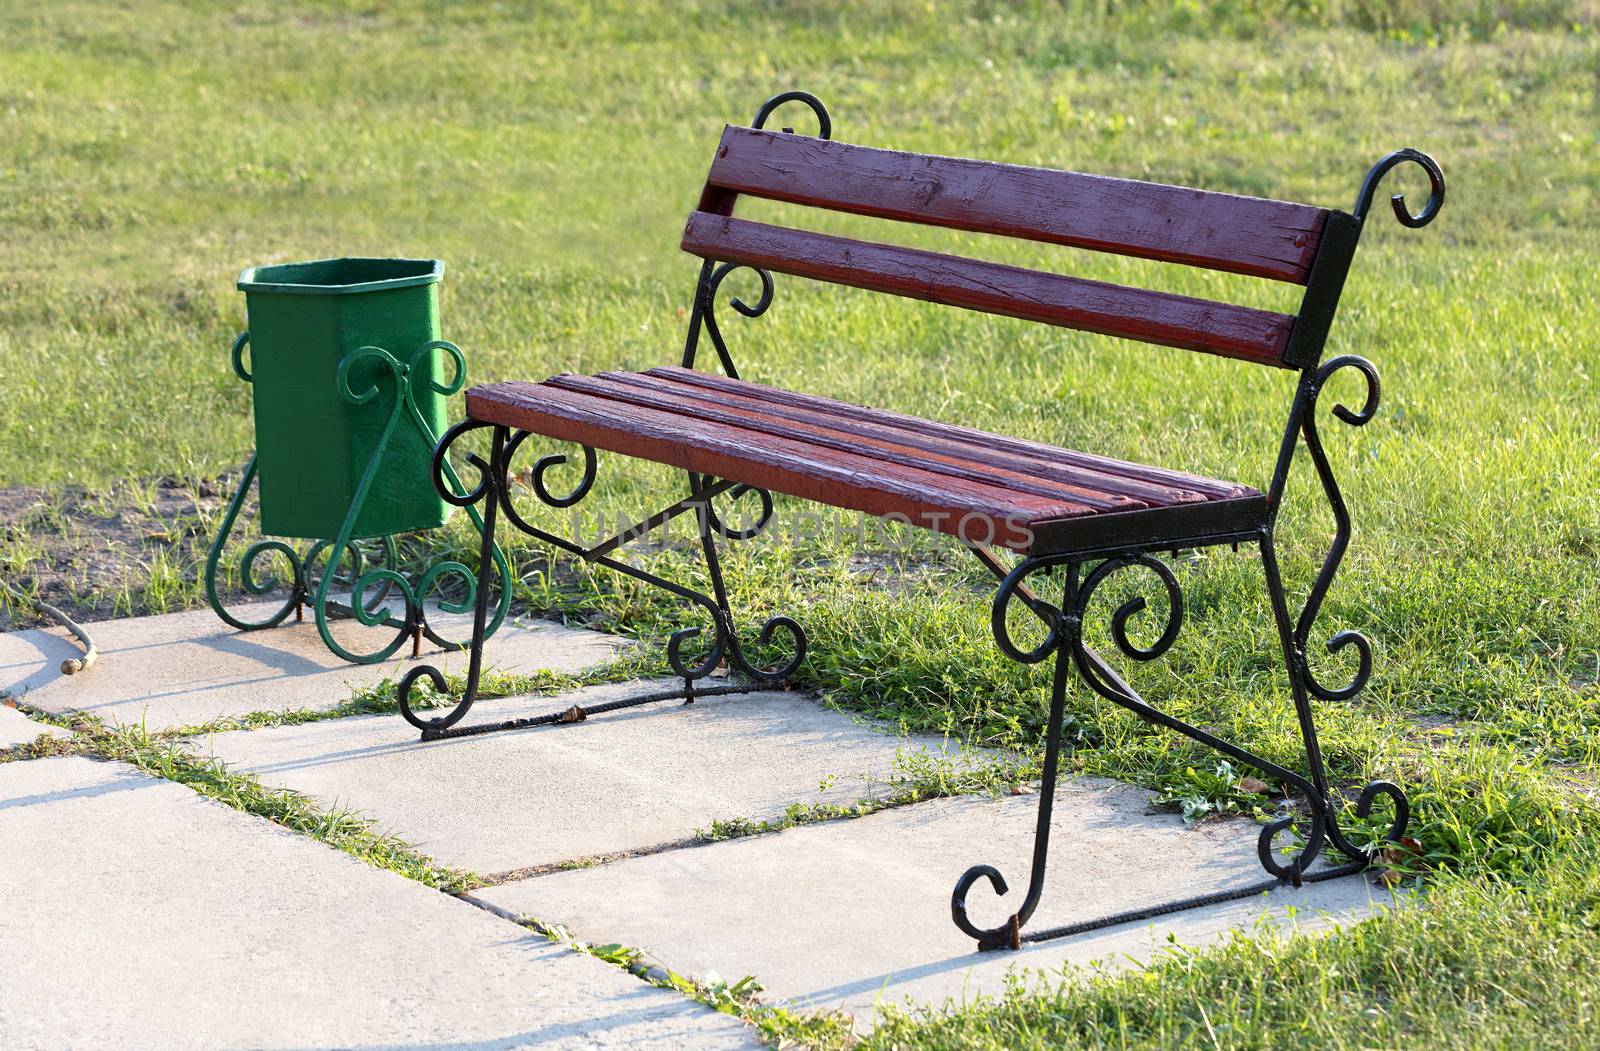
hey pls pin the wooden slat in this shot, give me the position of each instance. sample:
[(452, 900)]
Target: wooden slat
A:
[(819, 431), (1156, 484), (1094, 306), (1219, 231), (854, 423), (990, 514)]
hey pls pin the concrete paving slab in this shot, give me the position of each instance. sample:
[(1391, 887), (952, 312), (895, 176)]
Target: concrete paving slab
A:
[(137, 914), (181, 669), (621, 781), (16, 728), (844, 914)]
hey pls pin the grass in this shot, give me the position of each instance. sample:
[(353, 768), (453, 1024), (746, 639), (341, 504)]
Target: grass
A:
[(780, 1026), (917, 777), (1482, 964), (549, 153)]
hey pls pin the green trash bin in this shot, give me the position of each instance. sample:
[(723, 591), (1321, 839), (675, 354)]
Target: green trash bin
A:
[(350, 378), (314, 442)]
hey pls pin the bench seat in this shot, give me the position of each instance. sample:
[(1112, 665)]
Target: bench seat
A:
[(985, 488)]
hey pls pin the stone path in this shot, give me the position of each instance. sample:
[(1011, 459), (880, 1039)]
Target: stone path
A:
[(843, 914), (16, 728), (180, 921), (628, 780), (138, 914), (183, 669)]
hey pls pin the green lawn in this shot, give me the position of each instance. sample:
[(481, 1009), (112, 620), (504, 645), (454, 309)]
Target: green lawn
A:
[(550, 153)]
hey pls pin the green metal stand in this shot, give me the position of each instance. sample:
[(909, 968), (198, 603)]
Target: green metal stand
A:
[(346, 562)]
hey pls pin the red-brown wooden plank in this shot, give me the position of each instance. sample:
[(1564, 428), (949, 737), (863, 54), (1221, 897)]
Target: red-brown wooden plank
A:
[(1220, 231), (1094, 306), (691, 402), (989, 514), (1109, 474), (1123, 486), (837, 420), (645, 430)]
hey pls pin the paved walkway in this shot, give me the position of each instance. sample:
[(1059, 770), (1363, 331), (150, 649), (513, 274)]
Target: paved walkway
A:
[(182, 922), (16, 728), (625, 781), (138, 914), (844, 915), (183, 669)]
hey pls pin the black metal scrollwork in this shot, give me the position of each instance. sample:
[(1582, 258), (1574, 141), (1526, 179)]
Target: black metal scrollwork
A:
[(1062, 626), (715, 523), (776, 675), (1065, 640), (1341, 537), (494, 489), (441, 454), (725, 645), (1008, 934), (1369, 189), (824, 122), (706, 665), (704, 315), (1010, 588), (1267, 849), (450, 487), (712, 274), (536, 476), (705, 311), (1135, 605)]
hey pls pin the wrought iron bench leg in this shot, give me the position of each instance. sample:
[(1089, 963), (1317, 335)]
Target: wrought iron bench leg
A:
[(1303, 685), (1065, 641), (494, 489), (488, 486), (1009, 934)]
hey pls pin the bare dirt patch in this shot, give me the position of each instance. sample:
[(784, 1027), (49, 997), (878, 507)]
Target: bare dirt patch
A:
[(136, 548)]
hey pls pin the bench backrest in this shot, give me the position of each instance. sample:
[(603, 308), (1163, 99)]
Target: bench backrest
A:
[(1275, 240)]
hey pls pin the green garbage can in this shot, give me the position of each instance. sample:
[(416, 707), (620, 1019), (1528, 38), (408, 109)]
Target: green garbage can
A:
[(350, 378), (314, 442)]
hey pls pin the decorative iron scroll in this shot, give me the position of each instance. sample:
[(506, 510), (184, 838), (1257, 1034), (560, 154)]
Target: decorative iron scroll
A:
[(494, 489), (1341, 516), (1369, 189), (824, 122), (1065, 641), (346, 561)]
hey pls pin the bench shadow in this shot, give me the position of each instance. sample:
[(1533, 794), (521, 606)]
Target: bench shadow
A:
[(1273, 909), (125, 782), (709, 707)]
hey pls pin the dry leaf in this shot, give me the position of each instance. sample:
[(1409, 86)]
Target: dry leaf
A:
[(1405, 850), (1398, 858)]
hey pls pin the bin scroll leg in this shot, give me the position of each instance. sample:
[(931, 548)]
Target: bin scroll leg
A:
[(345, 560)]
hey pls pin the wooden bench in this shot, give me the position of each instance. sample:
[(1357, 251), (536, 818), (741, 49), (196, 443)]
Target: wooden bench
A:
[(1077, 516)]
